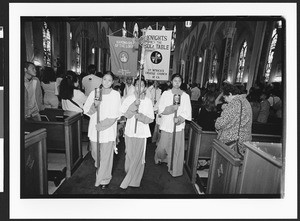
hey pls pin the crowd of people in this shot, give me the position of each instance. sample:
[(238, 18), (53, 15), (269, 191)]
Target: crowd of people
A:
[(151, 110)]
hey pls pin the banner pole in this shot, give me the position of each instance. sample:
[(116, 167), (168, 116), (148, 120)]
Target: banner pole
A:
[(140, 73), (98, 96)]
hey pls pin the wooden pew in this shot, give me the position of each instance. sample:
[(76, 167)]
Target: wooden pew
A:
[(63, 135), (261, 171), (34, 164), (224, 169), (199, 146), (258, 173)]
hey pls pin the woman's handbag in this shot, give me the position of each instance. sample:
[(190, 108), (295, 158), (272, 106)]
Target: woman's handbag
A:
[(234, 144)]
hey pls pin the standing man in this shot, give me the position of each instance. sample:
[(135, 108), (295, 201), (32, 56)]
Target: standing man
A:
[(33, 93), (91, 81), (154, 93), (129, 88)]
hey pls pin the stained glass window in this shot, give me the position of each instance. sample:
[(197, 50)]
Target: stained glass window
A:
[(173, 39), (241, 63), (47, 45), (78, 62), (214, 68), (271, 53)]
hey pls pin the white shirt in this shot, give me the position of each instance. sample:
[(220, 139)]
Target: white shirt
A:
[(184, 110), (90, 82), (145, 108), (128, 90), (153, 94), (195, 93), (78, 97), (108, 108)]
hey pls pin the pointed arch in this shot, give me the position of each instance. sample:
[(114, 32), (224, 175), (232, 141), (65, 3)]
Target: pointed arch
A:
[(241, 62), (271, 54), (47, 45)]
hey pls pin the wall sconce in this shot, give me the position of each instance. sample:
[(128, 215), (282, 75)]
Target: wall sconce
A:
[(71, 35), (279, 23), (93, 50), (200, 59), (188, 24)]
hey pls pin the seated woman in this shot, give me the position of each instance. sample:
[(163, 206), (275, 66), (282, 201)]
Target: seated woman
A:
[(235, 121), (208, 114), (72, 98)]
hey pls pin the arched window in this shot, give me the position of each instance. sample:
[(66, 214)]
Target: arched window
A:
[(78, 62), (241, 63), (271, 53), (214, 68), (173, 39), (47, 45)]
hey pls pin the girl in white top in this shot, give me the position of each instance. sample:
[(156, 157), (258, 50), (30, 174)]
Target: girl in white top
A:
[(72, 98), (48, 85), (167, 111), (109, 109), (135, 140)]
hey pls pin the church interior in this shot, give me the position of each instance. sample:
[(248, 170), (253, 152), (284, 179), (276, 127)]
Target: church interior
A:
[(206, 51)]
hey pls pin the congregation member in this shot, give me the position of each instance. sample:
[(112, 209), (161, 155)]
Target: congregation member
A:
[(108, 108), (208, 114), (91, 81), (275, 105), (235, 122), (154, 93), (254, 99), (33, 93), (264, 110), (73, 99), (134, 108), (48, 83), (167, 110), (129, 88), (195, 95)]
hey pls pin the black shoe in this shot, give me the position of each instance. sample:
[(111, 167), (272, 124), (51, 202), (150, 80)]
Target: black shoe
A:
[(104, 187)]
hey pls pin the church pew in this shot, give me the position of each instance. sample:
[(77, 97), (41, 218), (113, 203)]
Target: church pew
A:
[(258, 173), (199, 146), (267, 128), (63, 135), (34, 181)]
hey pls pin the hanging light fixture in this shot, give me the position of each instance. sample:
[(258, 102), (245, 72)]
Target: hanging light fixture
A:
[(188, 24)]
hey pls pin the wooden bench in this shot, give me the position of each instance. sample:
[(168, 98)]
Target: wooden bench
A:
[(199, 146), (34, 164), (63, 135)]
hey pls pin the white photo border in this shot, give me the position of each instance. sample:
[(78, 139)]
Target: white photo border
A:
[(170, 208)]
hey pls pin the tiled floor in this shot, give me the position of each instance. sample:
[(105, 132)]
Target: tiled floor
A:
[(57, 162)]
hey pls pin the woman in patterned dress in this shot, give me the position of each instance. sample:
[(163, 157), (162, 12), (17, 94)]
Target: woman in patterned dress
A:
[(230, 124)]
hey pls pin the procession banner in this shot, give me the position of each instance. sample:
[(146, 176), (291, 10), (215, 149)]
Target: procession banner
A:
[(124, 55), (157, 45)]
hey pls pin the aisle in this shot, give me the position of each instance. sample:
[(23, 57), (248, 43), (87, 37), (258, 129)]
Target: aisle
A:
[(156, 180)]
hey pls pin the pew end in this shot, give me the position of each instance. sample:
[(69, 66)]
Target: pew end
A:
[(34, 179)]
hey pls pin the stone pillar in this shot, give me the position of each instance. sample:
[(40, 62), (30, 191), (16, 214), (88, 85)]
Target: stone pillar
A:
[(84, 50), (228, 35), (256, 52)]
